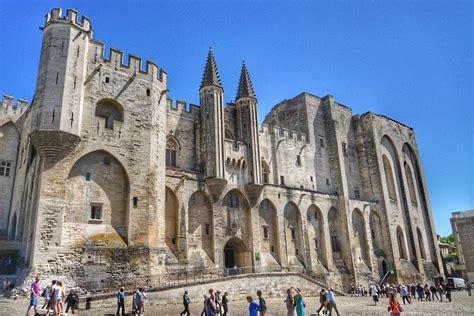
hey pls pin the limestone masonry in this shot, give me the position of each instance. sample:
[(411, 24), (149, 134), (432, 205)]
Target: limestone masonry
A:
[(104, 180)]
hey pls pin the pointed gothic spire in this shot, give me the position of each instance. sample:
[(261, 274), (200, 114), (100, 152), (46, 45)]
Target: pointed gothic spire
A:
[(211, 75), (245, 88)]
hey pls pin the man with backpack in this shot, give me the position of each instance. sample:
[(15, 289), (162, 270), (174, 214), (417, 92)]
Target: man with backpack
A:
[(186, 302), (72, 300), (121, 301)]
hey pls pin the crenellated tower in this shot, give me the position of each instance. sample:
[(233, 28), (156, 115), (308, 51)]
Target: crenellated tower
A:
[(59, 94), (211, 96), (247, 123)]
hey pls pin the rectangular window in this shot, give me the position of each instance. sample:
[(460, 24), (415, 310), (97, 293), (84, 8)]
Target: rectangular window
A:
[(208, 229), (265, 232), (296, 252), (171, 158), (315, 243), (107, 79), (327, 182), (5, 167), (344, 149), (335, 243), (321, 142), (96, 212), (109, 122), (282, 180), (315, 215), (293, 233), (298, 160), (88, 176), (147, 92), (135, 201), (311, 178), (272, 248), (233, 200), (357, 193)]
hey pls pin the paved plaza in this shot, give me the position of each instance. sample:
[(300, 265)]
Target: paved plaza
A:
[(462, 304)]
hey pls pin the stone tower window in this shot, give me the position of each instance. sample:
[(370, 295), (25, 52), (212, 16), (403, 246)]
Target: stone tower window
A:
[(335, 243), (321, 142), (357, 193), (265, 232), (5, 167), (172, 149), (233, 200), (110, 110), (96, 212), (298, 160), (344, 149), (282, 180)]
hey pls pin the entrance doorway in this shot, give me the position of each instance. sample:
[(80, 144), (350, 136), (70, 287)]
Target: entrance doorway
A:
[(237, 259)]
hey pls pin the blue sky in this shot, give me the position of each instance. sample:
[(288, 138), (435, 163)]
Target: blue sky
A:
[(409, 60)]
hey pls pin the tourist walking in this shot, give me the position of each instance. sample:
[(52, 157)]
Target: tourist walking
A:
[(71, 301), (374, 293), (405, 295), (290, 303), (448, 292), (121, 301), (468, 287), (186, 302), (299, 302), (139, 300), (45, 295), (419, 291), (225, 301), (331, 301), (262, 304), (211, 304), (34, 293), (218, 303), (58, 295), (322, 302), (427, 292), (253, 306), (440, 290), (204, 309), (394, 306), (433, 292)]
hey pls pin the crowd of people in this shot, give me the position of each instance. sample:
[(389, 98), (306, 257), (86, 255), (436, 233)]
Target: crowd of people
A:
[(216, 304), (54, 297)]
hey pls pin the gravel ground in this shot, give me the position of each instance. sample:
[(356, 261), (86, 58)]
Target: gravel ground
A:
[(462, 304)]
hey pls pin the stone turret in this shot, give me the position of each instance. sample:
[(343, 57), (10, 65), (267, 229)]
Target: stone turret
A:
[(247, 131), (211, 96), (57, 107)]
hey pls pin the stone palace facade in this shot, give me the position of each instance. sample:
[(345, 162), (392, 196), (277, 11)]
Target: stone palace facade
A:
[(103, 178)]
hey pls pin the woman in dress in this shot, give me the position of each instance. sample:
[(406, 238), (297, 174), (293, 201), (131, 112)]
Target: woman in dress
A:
[(299, 303), (394, 305)]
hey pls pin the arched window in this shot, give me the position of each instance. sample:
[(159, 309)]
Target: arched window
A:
[(110, 110), (265, 172), (172, 148), (387, 167), (411, 186), (420, 242)]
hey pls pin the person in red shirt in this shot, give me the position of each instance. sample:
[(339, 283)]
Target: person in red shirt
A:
[(394, 305)]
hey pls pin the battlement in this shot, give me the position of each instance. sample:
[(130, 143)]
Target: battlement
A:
[(282, 133), (134, 63), (181, 108), (11, 110), (55, 16)]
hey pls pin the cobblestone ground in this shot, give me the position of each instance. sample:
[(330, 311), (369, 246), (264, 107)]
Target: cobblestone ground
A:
[(462, 304)]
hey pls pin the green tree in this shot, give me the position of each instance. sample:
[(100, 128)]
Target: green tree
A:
[(448, 239)]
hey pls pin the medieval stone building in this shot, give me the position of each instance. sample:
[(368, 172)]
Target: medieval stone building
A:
[(104, 178)]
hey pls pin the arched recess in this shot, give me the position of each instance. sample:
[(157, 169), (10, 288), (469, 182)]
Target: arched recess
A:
[(237, 219), (110, 110), (9, 145), (293, 234), (411, 185), (376, 233), (420, 243), (201, 224), (236, 254), (401, 243), (97, 192), (334, 224), (171, 220), (269, 237), (387, 167), (360, 235), (317, 245)]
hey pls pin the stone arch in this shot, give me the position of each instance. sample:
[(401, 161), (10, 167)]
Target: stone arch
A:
[(269, 234), (173, 148), (237, 255), (375, 225), (391, 166), (110, 110), (317, 245), (334, 223), (10, 138), (360, 235), (421, 244), (201, 226), (237, 216), (171, 220), (293, 234), (411, 185), (97, 192), (401, 243), (389, 180)]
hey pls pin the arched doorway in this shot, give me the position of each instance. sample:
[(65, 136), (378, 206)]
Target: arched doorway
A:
[(236, 257)]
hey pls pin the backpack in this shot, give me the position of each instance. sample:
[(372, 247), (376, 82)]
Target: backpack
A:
[(45, 292)]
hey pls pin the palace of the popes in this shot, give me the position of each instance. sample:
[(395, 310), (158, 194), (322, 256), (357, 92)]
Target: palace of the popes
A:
[(105, 179)]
